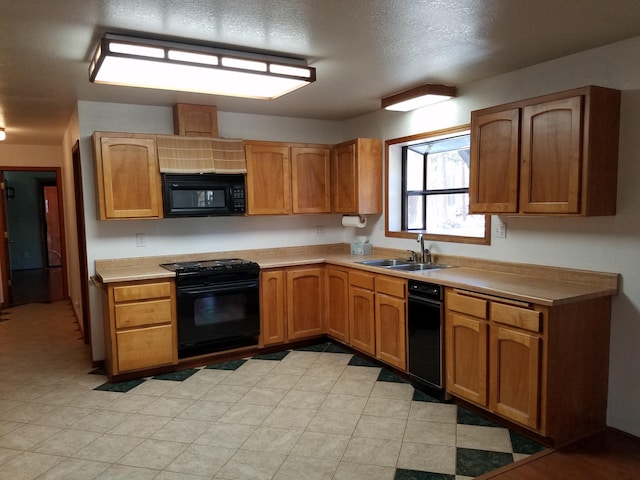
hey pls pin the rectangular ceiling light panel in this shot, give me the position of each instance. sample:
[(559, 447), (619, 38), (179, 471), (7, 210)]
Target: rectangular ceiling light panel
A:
[(168, 66)]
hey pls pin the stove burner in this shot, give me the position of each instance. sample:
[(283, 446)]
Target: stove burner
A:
[(217, 265)]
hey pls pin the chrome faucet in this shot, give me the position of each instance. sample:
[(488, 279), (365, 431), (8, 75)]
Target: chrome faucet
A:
[(413, 256), (425, 254)]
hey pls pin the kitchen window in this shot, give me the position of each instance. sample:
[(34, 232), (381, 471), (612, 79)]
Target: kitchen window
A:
[(431, 191)]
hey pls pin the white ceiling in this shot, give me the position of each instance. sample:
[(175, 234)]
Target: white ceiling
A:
[(363, 50)]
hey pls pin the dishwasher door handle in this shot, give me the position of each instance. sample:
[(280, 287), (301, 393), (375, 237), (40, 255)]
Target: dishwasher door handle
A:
[(425, 301)]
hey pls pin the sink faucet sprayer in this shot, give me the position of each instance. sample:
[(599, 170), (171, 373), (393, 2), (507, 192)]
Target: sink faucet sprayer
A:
[(425, 254)]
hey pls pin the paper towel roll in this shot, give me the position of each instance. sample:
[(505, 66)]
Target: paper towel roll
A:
[(358, 221)]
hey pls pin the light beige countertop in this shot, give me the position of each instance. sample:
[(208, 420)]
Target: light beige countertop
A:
[(529, 283)]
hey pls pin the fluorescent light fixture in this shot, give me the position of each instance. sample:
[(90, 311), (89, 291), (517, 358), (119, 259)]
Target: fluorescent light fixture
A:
[(418, 97), (138, 62), (3, 135)]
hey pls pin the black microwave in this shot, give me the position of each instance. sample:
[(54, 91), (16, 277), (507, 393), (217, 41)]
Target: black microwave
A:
[(203, 195)]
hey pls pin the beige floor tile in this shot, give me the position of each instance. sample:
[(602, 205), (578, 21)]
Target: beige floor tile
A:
[(344, 403), (28, 466), (210, 376), (333, 422), (519, 456), (462, 477), (101, 421), (300, 358), (387, 407), (243, 379), (428, 458), (153, 454), (493, 439), (60, 396), (26, 392), (289, 418), (354, 372), (182, 430), (228, 435), (125, 472), (246, 414), (108, 448), (202, 460), (168, 407), (302, 399), (372, 451), (226, 393), (380, 427), (138, 425), (25, 412), (299, 468), (290, 368), (62, 416), (434, 433), (66, 442), (205, 410), (94, 399), (433, 412), (130, 403), (278, 380), (27, 436), (329, 358), (177, 476), (357, 471), (6, 405), (270, 439), (6, 427), (263, 396), (326, 370), (248, 465), (75, 469), (309, 383), (257, 366), (400, 391), (321, 445), (153, 387), (353, 387), (193, 391)]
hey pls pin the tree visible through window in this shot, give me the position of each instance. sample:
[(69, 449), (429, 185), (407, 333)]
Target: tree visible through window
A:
[(435, 188)]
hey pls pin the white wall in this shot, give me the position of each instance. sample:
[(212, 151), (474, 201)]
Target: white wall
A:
[(604, 244), (609, 244)]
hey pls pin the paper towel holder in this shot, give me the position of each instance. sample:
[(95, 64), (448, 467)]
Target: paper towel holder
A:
[(358, 221)]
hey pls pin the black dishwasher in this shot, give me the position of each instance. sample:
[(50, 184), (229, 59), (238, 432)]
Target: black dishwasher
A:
[(426, 337)]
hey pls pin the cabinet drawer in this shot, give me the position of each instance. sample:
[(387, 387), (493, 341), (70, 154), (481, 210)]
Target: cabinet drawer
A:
[(143, 313), (142, 292), (362, 280), (391, 286), (145, 348), (516, 317), (475, 307)]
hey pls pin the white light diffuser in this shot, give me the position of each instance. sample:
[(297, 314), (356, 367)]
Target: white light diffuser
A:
[(136, 62), (418, 97), (3, 135)]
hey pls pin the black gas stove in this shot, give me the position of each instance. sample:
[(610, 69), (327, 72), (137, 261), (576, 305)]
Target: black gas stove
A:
[(220, 265)]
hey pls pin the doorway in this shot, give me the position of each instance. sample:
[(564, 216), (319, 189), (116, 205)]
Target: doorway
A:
[(35, 271)]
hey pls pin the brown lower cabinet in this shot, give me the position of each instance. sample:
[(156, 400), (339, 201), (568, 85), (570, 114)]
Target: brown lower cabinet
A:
[(361, 309), (291, 304), (545, 368), (140, 326)]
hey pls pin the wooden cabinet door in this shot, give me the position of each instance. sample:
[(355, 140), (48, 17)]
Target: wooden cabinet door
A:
[(551, 157), (195, 120), (305, 297), (494, 168), (356, 177), (362, 319), (391, 330), (466, 357), (268, 179), (272, 307), (128, 176), (147, 347), (515, 375), (311, 179), (337, 304)]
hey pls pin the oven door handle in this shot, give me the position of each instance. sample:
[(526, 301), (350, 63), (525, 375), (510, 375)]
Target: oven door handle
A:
[(218, 288)]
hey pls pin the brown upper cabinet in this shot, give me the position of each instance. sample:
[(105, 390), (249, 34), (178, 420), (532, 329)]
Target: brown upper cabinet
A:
[(195, 120), (284, 178), (550, 155), (128, 176), (356, 177)]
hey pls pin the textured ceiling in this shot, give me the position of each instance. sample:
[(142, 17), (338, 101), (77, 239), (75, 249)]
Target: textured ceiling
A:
[(363, 50)]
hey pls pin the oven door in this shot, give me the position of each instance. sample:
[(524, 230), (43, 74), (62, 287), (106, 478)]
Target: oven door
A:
[(217, 316)]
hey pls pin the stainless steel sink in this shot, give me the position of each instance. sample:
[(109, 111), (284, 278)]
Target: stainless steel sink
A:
[(387, 262), (412, 267)]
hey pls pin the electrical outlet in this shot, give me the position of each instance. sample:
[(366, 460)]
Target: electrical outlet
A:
[(500, 230), (141, 241), (319, 230)]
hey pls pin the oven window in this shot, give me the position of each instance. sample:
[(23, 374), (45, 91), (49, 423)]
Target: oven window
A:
[(198, 198), (218, 309)]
